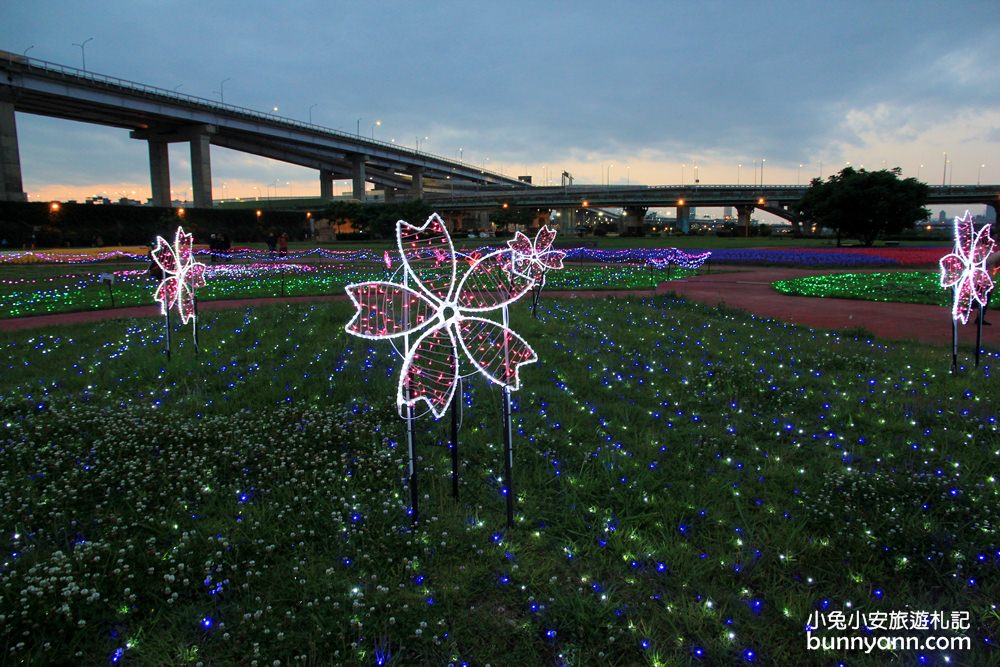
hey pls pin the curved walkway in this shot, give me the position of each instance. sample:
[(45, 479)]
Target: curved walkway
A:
[(749, 288), (745, 288)]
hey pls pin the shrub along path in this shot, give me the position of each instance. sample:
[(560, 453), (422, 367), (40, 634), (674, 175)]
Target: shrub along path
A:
[(739, 287)]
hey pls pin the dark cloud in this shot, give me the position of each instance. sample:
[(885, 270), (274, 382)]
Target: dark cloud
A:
[(537, 82)]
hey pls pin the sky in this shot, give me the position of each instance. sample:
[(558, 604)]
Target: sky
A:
[(635, 92)]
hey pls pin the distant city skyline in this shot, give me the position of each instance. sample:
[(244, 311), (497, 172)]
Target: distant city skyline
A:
[(646, 92)]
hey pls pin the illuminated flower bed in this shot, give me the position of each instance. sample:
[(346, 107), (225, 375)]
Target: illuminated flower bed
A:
[(900, 286), (695, 483)]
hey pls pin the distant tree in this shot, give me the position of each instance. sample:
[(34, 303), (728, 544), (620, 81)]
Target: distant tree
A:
[(510, 218), (377, 219), (864, 204)]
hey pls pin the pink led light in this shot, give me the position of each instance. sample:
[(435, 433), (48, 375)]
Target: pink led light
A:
[(964, 269), (181, 274), (445, 311)]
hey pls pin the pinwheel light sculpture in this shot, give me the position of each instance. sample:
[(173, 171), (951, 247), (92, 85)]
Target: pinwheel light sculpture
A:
[(534, 259), (436, 317), (964, 270), (182, 276)]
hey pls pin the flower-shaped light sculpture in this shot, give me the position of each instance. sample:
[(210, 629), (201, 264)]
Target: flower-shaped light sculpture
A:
[(181, 274), (964, 269), (445, 313), (533, 259)]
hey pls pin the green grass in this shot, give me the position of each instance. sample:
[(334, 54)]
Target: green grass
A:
[(685, 476), (900, 286), (47, 289)]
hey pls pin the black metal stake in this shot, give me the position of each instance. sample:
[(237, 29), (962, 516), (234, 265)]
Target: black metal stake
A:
[(508, 445), (537, 292), (168, 334), (979, 331), (954, 346), (508, 458), (111, 293), (194, 322), (411, 441), (456, 404)]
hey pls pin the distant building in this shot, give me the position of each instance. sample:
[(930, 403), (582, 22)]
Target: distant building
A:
[(942, 216)]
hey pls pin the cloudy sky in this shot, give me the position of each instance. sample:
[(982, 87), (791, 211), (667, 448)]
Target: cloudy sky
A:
[(637, 92)]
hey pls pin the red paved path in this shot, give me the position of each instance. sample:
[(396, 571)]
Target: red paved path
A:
[(746, 288), (749, 288)]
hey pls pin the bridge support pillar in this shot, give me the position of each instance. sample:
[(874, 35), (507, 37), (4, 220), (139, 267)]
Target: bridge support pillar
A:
[(632, 220), (201, 171), (683, 218), (567, 221), (11, 185), (326, 183), (743, 212), (417, 183), (159, 173), (358, 176)]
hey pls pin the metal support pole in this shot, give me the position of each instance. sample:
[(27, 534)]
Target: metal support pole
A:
[(194, 322), (954, 341), (979, 331), (168, 334), (508, 445), (456, 405), (410, 429)]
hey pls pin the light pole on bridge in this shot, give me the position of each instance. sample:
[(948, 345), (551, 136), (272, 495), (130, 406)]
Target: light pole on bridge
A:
[(311, 107), (83, 51), (222, 91)]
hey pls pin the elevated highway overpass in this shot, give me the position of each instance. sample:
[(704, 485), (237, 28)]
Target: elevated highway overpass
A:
[(635, 200), (160, 117)]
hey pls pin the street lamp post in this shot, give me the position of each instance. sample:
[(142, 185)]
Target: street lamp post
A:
[(25, 52), (682, 173), (83, 51), (378, 123), (762, 161), (798, 178), (739, 173), (979, 176), (222, 91), (944, 174), (311, 107)]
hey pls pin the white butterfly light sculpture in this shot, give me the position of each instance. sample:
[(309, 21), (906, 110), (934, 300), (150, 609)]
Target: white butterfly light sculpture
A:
[(182, 276), (533, 259), (444, 309), (964, 269)]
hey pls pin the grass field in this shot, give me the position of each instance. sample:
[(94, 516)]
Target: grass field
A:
[(46, 288), (692, 484), (900, 286)]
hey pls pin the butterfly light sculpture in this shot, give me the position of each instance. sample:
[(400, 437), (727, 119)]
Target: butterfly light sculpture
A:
[(533, 259), (182, 275), (444, 310), (964, 269)]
